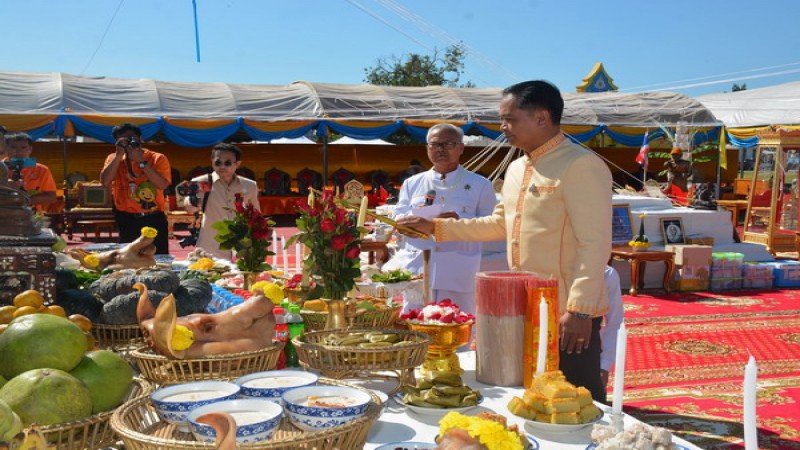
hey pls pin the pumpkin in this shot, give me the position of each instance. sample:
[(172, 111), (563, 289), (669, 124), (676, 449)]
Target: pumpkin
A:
[(121, 310), (122, 281), (79, 301), (192, 296)]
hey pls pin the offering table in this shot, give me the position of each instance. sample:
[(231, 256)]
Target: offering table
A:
[(399, 424)]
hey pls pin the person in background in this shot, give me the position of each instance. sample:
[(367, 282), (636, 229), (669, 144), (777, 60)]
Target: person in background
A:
[(221, 186), (679, 177), (137, 178), (35, 179), (556, 219), (613, 320), (450, 191)]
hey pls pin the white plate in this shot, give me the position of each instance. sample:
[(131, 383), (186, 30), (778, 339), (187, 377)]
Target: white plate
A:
[(434, 411), (674, 445), (560, 428), (407, 445)]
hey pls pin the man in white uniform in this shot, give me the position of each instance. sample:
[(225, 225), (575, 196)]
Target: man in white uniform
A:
[(445, 191)]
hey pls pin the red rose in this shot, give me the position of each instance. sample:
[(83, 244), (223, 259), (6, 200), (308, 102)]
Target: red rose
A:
[(327, 226), (260, 233), (353, 252), (341, 216), (338, 242)]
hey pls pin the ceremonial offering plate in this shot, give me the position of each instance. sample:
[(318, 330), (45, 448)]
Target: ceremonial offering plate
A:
[(435, 411), (560, 428)]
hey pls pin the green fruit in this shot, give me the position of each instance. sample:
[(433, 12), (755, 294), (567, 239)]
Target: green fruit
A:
[(2, 381), (108, 377), (10, 423), (39, 341), (47, 397)]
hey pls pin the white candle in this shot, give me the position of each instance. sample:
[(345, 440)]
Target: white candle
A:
[(619, 369), (274, 249), (750, 384), (310, 198), (362, 212), (285, 258), (298, 257), (543, 325)]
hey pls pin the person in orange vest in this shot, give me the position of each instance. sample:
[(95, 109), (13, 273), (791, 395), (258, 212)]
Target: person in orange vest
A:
[(28, 175), (679, 177)]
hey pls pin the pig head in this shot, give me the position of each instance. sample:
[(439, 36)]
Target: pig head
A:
[(246, 327), (137, 254)]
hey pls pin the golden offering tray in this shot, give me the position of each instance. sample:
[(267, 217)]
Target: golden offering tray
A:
[(163, 371), (93, 431), (140, 428), (376, 318), (118, 338), (445, 340), (355, 362)]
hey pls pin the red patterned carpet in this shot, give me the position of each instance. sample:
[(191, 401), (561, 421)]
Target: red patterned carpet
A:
[(686, 357)]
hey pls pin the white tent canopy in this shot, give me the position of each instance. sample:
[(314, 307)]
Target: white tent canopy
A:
[(773, 105), (59, 93), (352, 141)]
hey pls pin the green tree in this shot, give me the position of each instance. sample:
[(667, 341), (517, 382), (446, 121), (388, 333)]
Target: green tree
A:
[(739, 87), (438, 69)]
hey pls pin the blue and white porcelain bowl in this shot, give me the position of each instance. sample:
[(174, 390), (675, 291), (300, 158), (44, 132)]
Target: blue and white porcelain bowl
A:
[(353, 404), (272, 384), (256, 419), (173, 403)]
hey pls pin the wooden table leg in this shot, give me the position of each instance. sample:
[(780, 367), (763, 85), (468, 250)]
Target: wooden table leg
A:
[(669, 268), (637, 269)]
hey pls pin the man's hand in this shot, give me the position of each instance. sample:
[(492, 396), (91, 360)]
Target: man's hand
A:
[(575, 333), (122, 145), (448, 215), (424, 226)]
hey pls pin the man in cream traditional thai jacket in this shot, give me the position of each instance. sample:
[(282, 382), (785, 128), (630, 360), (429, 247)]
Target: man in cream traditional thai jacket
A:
[(556, 219)]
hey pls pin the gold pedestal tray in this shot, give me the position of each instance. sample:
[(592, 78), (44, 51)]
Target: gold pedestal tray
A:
[(94, 431), (158, 369), (355, 362), (122, 339), (139, 427), (445, 339)]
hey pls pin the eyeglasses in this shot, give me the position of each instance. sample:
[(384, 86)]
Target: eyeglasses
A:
[(220, 162), (442, 145)]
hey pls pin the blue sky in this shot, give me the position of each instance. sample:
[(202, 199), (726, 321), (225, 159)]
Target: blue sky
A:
[(644, 45)]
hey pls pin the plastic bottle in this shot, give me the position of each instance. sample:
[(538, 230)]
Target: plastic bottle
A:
[(281, 333), (296, 328)]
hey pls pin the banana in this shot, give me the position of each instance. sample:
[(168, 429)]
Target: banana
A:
[(374, 344)]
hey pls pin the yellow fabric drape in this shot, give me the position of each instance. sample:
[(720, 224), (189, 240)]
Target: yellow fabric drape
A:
[(723, 149)]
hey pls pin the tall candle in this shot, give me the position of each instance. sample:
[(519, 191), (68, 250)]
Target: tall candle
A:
[(750, 384), (285, 259), (362, 212), (298, 257), (543, 325), (310, 198), (619, 369), (274, 249)]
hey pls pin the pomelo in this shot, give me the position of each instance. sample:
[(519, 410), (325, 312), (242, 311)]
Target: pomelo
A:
[(40, 341), (108, 377), (47, 397), (10, 423)]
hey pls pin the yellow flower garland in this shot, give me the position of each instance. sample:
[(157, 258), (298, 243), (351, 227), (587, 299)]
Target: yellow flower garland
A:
[(91, 261), (490, 433), (149, 232), (271, 290)]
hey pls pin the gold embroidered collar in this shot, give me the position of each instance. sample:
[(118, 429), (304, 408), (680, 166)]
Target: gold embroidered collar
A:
[(546, 147)]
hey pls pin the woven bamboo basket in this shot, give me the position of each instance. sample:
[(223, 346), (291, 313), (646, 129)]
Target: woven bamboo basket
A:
[(94, 431), (378, 318), (119, 338), (139, 427), (355, 362), (161, 370)]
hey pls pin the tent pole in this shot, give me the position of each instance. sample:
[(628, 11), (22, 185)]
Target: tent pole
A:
[(64, 143), (325, 160)]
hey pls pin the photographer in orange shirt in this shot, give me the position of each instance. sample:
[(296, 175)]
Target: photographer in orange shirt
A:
[(26, 173)]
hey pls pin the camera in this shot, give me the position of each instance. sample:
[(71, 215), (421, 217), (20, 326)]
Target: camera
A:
[(190, 240), (134, 142), (189, 189), (15, 166)]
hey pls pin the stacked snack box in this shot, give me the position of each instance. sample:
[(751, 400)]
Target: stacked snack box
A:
[(726, 271), (757, 275), (786, 273), (693, 265)]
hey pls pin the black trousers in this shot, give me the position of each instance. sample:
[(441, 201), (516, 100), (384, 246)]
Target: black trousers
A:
[(130, 228), (583, 369)]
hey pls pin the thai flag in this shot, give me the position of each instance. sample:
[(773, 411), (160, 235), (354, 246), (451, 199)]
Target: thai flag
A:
[(641, 158)]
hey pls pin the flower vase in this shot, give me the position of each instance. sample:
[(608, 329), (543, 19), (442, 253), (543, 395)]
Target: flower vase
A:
[(336, 314), (249, 279)]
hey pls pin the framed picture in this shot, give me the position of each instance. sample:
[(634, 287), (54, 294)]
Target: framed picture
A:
[(672, 230), (621, 224)]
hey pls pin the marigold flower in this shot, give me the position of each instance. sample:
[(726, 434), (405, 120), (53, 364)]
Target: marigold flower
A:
[(493, 435), (149, 232), (182, 338), (91, 261), (271, 290)]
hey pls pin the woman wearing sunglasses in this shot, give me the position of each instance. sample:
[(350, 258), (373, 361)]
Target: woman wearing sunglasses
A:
[(216, 193)]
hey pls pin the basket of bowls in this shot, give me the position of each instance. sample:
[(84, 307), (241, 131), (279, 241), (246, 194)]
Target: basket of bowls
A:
[(93, 431), (357, 352), (162, 370), (362, 312), (326, 415)]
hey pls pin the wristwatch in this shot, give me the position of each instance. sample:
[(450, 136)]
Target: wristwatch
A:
[(581, 315), (142, 164)]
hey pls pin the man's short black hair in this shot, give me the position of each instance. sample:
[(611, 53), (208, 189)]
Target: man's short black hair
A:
[(19, 137), (538, 94), (225, 147), (125, 127), (3, 130)]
